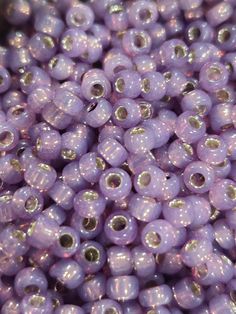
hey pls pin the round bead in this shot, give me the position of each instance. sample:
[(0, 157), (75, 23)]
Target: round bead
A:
[(122, 288)]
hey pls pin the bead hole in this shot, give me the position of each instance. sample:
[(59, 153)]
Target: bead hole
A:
[(1, 80), (111, 310), (100, 164), (223, 35), (212, 143), (89, 224), (145, 15), (37, 301), (191, 245), (231, 192), (194, 33), (92, 254), (167, 76), (119, 223), (116, 9), (48, 42), (120, 85), (137, 130), (214, 74), (31, 289), (146, 110), (114, 180), (6, 138), (31, 204), (177, 203), (97, 90), (44, 167), (53, 63), (139, 41), (68, 154), (121, 113), (188, 149), (144, 179), (195, 288), (194, 122), (197, 180), (146, 86), (189, 87), (67, 43), (180, 52), (92, 106), (27, 78), (90, 196), (153, 239), (222, 95), (66, 241)]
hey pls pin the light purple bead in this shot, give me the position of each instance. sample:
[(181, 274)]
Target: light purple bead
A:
[(69, 309), (60, 67), (91, 167), (222, 194), (175, 82), (128, 83), (112, 152), (197, 101), (223, 234), (211, 149), (11, 306), (36, 304), (156, 296), (80, 16), (144, 64), (168, 8), (89, 203), (139, 139), (219, 13), (38, 98), (21, 116), (48, 24), (158, 236), (93, 289), (98, 113), (17, 12), (116, 18), (173, 53), (79, 70), (115, 183), (174, 27), (221, 304), (56, 117), (230, 139), (62, 194), (143, 262), (55, 212), (111, 131), (9, 136), (11, 171), (130, 307), (48, 145), (74, 42), (169, 263), (94, 50), (180, 154), (223, 169), (126, 113), (202, 210), (122, 288), (153, 86), (68, 272), (158, 34), (136, 42), (142, 14), (199, 31), (102, 33), (74, 145), (72, 176), (119, 260), (43, 232), (5, 81), (190, 127), (221, 117), (42, 47), (88, 228), (105, 305), (41, 258)]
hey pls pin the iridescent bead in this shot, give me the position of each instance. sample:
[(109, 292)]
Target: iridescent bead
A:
[(12, 98), (219, 13), (153, 86), (42, 259), (55, 212), (126, 113), (175, 82), (199, 31), (174, 27), (230, 63), (130, 307), (116, 18), (72, 177), (17, 12), (95, 85), (121, 228), (21, 116), (180, 153), (60, 67), (98, 113), (198, 101), (128, 83), (221, 117), (73, 146), (48, 24), (188, 294), (158, 236), (223, 234), (105, 306), (69, 308), (223, 194), (213, 76), (102, 33), (156, 296), (139, 139), (91, 256), (93, 288), (6, 210), (39, 98), (21, 59), (89, 203), (211, 149), (136, 42), (222, 304), (190, 127), (68, 272), (144, 64), (12, 305), (17, 39), (30, 280), (202, 210), (43, 232), (115, 183), (94, 50), (173, 53), (229, 138), (73, 42), (168, 9), (112, 152), (80, 16), (33, 303), (122, 288), (226, 37), (5, 80), (62, 194), (88, 228), (119, 260), (80, 69), (142, 14), (178, 212), (169, 263), (48, 145), (42, 47), (11, 171), (143, 262), (158, 34)]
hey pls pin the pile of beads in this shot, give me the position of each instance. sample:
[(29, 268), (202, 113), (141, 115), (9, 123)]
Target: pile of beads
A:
[(118, 157)]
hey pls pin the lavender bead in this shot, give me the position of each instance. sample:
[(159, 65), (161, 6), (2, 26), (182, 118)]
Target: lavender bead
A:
[(48, 145), (105, 305), (158, 34), (93, 288), (5, 80), (80, 16), (21, 59), (48, 24), (116, 19), (169, 263), (69, 308), (222, 194), (102, 33), (131, 307), (6, 209), (39, 98), (180, 153), (98, 113), (55, 212), (144, 64), (158, 236), (122, 288), (34, 78), (175, 82), (73, 145), (139, 139), (79, 70), (221, 304), (30, 280), (197, 101), (41, 259), (202, 210), (74, 42), (17, 12), (89, 203), (43, 232), (128, 83), (199, 31), (142, 14), (42, 47), (119, 260), (121, 228), (126, 113), (173, 53), (36, 303), (112, 152), (8, 137), (156, 296), (221, 117), (91, 256), (211, 149), (223, 234), (60, 67), (91, 167), (219, 14), (88, 228), (11, 306), (62, 194), (153, 86), (72, 176), (136, 42), (10, 169), (94, 50), (229, 139), (143, 262)]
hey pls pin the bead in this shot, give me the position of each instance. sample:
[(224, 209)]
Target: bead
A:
[(156, 296), (60, 67), (81, 16), (143, 261), (222, 303), (119, 260), (38, 98), (197, 101), (128, 83), (102, 33), (5, 80), (93, 289), (126, 113), (10, 169), (229, 139), (112, 152), (211, 149), (168, 9), (202, 210), (48, 24), (122, 288), (11, 305), (158, 34), (158, 236), (68, 308), (169, 263), (17, 12), (142, 14), (55, 212), (175, 82), (48, 145), (98, 113), (91, 167), (94, 50), (173, 53), (41, 258), (34, 302), (223, 234), (21, 59), (144, 64), (74, 42), (180, 153), (139, 139), (153, 86), (62, 194), (42, 47), (88, 228), (199, 31), (6, 210), (116, 18), (221, 117), (105, 305), (120, 228), (136, 42), (73, 145), (219, 14), (222, 194), (72, 177)]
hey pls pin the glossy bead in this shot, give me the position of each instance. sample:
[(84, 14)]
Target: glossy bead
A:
[(169, 263), (142, 14), (201, 209), (18, 12), (8, 137), (42, 259), (229, 138), (93, 289), (5, 80), (223, 234), (126, 113), (80, 16), (111, 131), (119, 260), (102, 33), (73, 145), (48, 24), (112, 152), (197, 101), (222, 194), (41, 176), (153, 86), (122, 288), (219, 13), (144, 64), (190, 127), (94, 50), (91, 167), (48, 145), (143, 262), (55, 212), (115, 183), (10, 169), (72, 176), (42, 47), (221, 117), (178, 212), (36, 303), (60, 67), (144, 208), (121, 228), (158, 236), (69, 308), (30, 280), (38, 98), (199, 31), (173, 53), (106, 305), (211, 149), (98, 113), (74, 42), (88, 228), (12, 305), (6, 210), (136, 42), (62, 194), (156, 296), (188, 294), (195, 251), (222, 303), (175, 82), (139, 139), (43, 232), (91, 256), (128, 83), (116, 18), (89, 203), (180, 153)]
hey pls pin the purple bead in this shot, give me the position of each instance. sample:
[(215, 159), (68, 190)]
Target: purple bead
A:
[(190, 127), (17, 12), (95, 85), (39, 98), (55, 212), (230, 63), (116, 18), (199, 31), (158, 34), (121, 228), (144, 208), (88, 228), (223, 169), (128, 83), (48, 145), (153, 86), (119, 260), (169, 263), (112, 152), (115, 183), (174, 27), (211, 149), (122, 288), (74, 42), (21, 59), (102, 33), (30, 280), (168, 9), (180, 154), (43, 232), (36, 304), (143, 261), (89, 203), (139, 139), (126, 113), (158, 236), (229, 139), (178, 212), (11, 171), (136, 42), (48, 24), (8, 136), (68, 272), (41, 259), (188, 294), (94, 50), (42, 47), (69, 309), (222, 304), (91, 167), (223, 194), (91, 256), (11, 306), (223, 234), (62, 194), (130, 307), (5, 80), (98, 113), (144, 64), (74, 145), (104, 306), (80, 16), (156, 296), (175, 82), (173, 53), (72, 176), (60, 67), (11, 99), (199, 177), (33, 78), (226, 37), (6, 209), (221, 117), (21, 116), (93, 289), (79, 70), (202, 210), (111, 131), (27, 202), (197, 101), (219, 13), (213, 76), (142, 14)]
